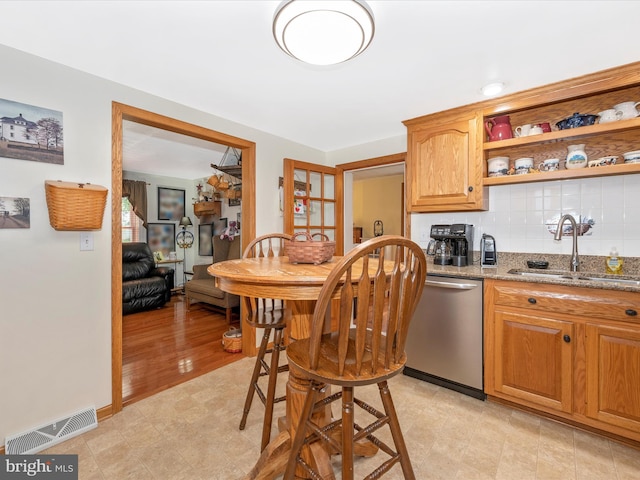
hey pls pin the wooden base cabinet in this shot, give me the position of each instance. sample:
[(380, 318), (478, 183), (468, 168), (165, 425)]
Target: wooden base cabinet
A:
[(613, 380), (534, 359), (573, 353)]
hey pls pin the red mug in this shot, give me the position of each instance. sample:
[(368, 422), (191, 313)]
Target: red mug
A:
[(545, 127)]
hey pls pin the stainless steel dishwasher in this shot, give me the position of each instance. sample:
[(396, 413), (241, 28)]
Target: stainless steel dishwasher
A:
[(445, 341)]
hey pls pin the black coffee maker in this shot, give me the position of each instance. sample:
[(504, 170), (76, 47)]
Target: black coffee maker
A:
[(452, 244)]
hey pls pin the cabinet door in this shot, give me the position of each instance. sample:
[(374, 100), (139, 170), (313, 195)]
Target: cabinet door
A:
[(534, 359), (444, 166), (613, 375)]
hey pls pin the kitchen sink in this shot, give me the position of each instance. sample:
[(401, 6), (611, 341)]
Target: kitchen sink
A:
[(579, 276)]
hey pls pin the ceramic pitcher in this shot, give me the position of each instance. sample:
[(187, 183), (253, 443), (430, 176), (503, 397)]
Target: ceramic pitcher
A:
[(576, 157), (499, 128)]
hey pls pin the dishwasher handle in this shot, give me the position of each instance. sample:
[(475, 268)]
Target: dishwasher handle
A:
[(458, 286)]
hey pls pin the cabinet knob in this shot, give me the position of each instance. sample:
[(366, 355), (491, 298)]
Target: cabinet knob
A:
[(532, 301), (470, 189), (567, 338), (631, 312)]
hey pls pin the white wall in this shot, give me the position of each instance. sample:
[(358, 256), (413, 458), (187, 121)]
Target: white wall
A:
[(55, 301), (518, 215)]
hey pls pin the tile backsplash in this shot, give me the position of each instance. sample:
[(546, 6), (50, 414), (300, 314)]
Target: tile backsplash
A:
[(518, 216)]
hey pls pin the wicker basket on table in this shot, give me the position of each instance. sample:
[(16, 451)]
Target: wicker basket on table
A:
[(309, 250), (75, 206)]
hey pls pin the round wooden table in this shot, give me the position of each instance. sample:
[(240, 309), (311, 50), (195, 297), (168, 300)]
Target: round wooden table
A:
[(299, 285)]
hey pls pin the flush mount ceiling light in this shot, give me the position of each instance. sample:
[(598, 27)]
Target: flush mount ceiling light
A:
[(492, 89), (323, 32)]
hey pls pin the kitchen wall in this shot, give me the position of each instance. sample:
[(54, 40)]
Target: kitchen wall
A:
[(378, 199), (55, 300), (518, 216)]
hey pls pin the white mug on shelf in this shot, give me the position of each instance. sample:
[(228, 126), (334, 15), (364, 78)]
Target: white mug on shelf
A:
[(522, 130), (549, 165), (523, 165), (609, 115), (628, 109), (536, 130)]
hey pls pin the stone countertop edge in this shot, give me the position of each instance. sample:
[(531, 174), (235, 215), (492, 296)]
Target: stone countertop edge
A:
[(594, 265)]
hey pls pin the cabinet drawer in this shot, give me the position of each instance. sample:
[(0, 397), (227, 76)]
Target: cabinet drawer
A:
[(586, 302)]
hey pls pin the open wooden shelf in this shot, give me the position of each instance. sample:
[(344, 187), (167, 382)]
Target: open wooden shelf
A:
[(564, 135), (621, 169)]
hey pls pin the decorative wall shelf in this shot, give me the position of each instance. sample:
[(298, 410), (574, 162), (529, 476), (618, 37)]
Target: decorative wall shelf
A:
[(207, 208)]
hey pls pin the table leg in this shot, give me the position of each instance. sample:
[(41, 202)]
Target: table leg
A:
[(273, 460)]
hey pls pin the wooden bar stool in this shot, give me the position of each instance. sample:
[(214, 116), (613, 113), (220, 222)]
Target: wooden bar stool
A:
[(268, 314), (373, 320)]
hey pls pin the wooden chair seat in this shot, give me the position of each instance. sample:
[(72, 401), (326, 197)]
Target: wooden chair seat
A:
[(328, 365)]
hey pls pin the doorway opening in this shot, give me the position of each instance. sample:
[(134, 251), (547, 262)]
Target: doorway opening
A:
[(371, 171), (120, 113)]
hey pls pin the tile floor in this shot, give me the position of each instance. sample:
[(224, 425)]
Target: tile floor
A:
[(191, 432)]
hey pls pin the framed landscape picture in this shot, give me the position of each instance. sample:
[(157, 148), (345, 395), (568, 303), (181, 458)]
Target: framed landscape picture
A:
[(161, 237), (170, 204), (15, 212), (31, 133)]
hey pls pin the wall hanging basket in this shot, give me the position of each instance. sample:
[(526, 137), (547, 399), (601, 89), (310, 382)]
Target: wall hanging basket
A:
[(75, 206), (232, 340), (309, 250)]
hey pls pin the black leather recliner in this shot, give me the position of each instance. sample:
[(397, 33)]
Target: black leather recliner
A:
[(143, 285)]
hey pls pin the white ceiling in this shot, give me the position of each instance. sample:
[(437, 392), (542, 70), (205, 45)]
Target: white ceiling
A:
[(426, 56)]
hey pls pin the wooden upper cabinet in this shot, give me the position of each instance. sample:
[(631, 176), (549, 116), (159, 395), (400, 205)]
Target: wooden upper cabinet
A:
[(447, 152), (444, 163)]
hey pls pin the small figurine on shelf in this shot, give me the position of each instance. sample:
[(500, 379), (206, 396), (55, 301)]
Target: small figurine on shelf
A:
[(201, 197), (230, 232)]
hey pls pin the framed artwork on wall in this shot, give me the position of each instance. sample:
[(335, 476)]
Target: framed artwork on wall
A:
[(15, 212), (28, 132), (205, 243), (234, 202), (170, 204), (161, 237), (219, 225)]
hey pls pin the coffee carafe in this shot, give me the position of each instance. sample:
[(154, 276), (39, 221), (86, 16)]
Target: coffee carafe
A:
[(442, 255)]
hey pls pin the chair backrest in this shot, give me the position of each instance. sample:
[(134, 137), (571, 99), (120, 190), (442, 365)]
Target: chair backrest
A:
[(269, 245), (137, 260), (225, 249), (377, 286), (262, 310)]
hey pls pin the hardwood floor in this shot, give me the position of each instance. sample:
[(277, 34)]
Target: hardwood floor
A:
[(165, 347)]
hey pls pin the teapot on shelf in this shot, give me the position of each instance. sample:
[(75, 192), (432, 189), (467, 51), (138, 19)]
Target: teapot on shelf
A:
[(499, 128)]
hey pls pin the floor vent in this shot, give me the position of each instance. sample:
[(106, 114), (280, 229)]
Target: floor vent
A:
[(51, 434)]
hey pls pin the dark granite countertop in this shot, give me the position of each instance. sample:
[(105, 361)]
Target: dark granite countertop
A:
[(589, 266)]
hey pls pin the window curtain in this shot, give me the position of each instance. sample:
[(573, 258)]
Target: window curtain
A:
[(136, 192)]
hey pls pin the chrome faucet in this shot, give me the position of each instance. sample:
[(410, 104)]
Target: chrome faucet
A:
[(575, 262)]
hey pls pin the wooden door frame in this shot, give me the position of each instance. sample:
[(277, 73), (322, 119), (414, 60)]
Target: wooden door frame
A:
[(380, 162), (120, 112)]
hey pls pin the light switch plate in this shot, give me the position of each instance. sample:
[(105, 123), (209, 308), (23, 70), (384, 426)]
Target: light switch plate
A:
[(86, 241)]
